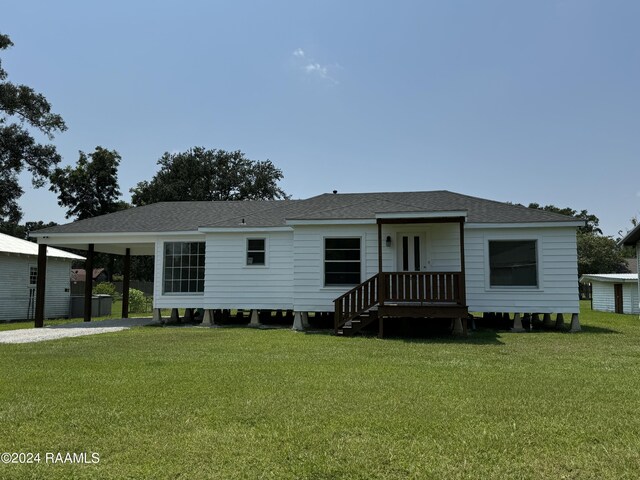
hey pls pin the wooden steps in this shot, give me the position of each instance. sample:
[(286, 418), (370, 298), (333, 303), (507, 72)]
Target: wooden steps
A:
[(357, 324)]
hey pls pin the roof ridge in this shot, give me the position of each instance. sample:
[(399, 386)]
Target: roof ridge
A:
[(514, 205), (252, 214), (363, 202)]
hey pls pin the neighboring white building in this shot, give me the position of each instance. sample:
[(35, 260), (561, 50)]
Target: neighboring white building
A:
[(436, 253), (18, 272), (633, 239), (614, 292)]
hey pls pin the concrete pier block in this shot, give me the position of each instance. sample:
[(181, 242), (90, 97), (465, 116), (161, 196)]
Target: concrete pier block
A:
[(517, 324), (255, 319), (575, 323), (207, 318)]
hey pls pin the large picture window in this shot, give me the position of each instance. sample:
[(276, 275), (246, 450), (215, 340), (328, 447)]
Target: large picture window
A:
[(342, 261), (513, 263), (184, 267)]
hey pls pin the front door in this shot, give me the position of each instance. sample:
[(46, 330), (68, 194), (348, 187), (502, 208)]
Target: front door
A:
[(617, 293), (411, 252)]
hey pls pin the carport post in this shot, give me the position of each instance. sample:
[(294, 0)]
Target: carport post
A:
[(88, 283), (41, 281), (125, 284)]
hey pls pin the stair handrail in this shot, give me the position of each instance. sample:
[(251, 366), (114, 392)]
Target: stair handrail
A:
[(355, 302)]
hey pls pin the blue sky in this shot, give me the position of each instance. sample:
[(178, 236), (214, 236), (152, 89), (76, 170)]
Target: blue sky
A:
[(523, 101)]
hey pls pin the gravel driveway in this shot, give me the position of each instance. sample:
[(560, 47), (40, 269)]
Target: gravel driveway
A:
[(30, 335)]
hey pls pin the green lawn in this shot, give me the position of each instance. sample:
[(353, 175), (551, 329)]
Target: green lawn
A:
[(187, 403)]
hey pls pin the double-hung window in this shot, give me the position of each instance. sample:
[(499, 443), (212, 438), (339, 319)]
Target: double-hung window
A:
[(256, 251), (342, 261)]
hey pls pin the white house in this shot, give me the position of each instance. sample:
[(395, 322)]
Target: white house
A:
[(614, 292), (633, 239), (421, 254), (18, 274)]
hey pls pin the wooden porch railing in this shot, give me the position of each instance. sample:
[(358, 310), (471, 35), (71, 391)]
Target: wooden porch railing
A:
[(416, 288), (422, 287)]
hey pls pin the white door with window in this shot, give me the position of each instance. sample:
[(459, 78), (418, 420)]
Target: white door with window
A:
[(411, 252)]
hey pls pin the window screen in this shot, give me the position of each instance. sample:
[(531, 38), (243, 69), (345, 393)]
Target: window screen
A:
[(513, 263), (256, 251), (342, 261)]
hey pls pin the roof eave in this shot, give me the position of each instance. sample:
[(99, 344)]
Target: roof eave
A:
[(632, 237)]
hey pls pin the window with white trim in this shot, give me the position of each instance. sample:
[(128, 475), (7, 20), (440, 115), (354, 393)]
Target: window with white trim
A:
[(513, 263), (256, 251), (342, 264), (183, 267)]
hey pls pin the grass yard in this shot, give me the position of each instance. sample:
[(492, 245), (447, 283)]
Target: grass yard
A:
[(241, 403)]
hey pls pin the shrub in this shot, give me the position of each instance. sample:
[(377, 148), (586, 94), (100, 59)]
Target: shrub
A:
[(105, 288), (137, 301)]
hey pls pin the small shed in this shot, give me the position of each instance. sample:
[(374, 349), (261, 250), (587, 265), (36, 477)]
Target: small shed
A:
[(614, 292), (18, 274)]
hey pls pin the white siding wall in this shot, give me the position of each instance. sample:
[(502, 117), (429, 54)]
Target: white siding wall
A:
[(630, 298), (310, 294), (442, 245), (294, 275), (603, 294), (231, 283), (557, 272), (14, 287), (178, 300)]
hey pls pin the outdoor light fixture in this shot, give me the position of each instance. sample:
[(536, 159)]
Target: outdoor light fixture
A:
[(388, 242)]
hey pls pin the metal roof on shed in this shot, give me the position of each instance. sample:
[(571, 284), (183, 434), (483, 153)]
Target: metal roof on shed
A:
[(17, 246)]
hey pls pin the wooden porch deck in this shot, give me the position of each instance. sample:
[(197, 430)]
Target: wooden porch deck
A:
[(403, 294)]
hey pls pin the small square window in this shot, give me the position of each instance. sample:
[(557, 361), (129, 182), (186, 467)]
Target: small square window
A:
[(33, 275), (256, 251)]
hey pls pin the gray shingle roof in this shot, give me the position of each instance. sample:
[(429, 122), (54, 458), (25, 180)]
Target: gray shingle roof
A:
[(188, 216)]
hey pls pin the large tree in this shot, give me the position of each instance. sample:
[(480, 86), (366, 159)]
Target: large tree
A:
[(22, 111), (91, 187), (591, 220), (201, 174), (599, 254), (23, 230), (596, 253)]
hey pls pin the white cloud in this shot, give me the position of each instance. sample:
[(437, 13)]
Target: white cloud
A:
[(313, 68), (316, 68)]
